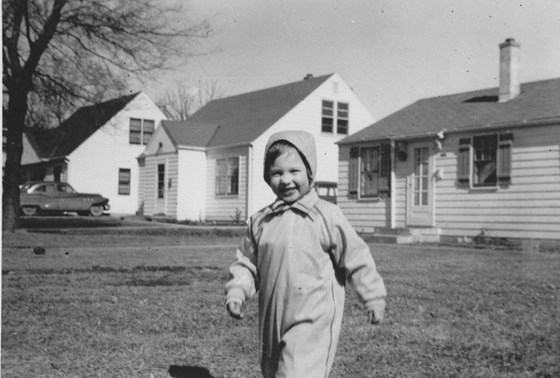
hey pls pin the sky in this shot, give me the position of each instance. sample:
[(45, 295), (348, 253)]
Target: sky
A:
[(391, 52)]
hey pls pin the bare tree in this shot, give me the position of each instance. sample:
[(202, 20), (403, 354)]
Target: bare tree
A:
[(68, 53), (180, 102)]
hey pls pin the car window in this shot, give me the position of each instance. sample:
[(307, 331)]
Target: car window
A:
[(65, 188), (38, 189)]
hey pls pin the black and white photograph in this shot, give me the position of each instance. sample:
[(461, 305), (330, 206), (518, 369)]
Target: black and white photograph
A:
[(280, 189)]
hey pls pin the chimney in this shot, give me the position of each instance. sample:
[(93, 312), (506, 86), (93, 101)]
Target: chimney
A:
[(509, 70)]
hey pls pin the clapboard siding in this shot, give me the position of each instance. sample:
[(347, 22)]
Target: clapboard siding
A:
[(528, 207), (147, 180), (225, 208), (364, 215), (171, 195), (191, 185)]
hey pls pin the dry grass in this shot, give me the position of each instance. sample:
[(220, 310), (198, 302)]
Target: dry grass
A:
[(148, 307)]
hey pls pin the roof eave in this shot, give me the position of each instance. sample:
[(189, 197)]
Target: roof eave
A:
[(490, 126)]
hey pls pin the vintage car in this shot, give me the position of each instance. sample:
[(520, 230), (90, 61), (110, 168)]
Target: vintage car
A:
[(59, 197)]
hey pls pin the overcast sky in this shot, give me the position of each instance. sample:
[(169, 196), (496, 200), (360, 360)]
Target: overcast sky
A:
[(392, 52)]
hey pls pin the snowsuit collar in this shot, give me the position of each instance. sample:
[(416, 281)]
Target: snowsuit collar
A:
[(303, 205)]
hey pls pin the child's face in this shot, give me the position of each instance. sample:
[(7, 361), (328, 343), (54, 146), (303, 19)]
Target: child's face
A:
[(288, 177)]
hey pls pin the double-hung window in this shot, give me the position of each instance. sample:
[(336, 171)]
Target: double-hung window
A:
[(484, 161), (227, 176), (141, 130), (124, 181), (342, 118), (369, 171), (334, 113)]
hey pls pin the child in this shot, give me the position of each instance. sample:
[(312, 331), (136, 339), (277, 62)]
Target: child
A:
[(297, 253)]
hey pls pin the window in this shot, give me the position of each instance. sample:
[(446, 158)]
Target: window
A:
[(342, 118), (124, 181), (227, 176), (484, 161), (369, 171), (328, 118), (161, 181), (141, 130)]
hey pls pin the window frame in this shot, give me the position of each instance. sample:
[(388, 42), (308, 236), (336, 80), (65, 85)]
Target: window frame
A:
[(126, 184), (334, 120), (143, 133), (382, 171), (501, 157), (227, 176), (342, 118), (484, 148), (160, 181), (327, 113)]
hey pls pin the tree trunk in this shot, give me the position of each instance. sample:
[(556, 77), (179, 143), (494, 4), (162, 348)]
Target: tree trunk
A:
[(15, 121)]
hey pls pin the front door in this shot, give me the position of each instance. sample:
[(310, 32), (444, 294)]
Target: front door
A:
[(420, 188), (161, 189)]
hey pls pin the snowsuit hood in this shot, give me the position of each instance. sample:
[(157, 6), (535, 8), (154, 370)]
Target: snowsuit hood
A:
[(303, 141)]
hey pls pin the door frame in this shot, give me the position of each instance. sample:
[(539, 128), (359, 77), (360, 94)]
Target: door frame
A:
[(160, 204), (424, 215)]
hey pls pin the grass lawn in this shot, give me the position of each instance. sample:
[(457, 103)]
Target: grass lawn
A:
[(153, 306)]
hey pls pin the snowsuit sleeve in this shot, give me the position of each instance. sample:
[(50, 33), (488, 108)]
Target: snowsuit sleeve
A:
[(352, 255), (244, 280)]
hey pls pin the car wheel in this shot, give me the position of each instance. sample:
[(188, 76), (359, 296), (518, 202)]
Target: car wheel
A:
[(96, 210), (29, 210)]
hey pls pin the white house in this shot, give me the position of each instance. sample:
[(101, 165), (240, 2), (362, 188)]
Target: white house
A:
[(482, 162), (210, 167), (95, 149)]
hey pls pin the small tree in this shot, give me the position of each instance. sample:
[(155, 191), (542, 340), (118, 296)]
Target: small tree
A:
[(60, 54)]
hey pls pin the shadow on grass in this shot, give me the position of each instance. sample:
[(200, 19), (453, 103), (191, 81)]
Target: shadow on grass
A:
[(189, 372)]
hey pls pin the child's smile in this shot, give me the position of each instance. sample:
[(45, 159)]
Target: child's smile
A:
[(288, 177)]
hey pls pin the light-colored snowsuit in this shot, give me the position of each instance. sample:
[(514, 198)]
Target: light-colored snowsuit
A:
[(297, 256)]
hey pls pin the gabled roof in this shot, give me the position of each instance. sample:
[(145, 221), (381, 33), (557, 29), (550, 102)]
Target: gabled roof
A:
[(62, 140), (537, 101), (242, 118), (187, 133)]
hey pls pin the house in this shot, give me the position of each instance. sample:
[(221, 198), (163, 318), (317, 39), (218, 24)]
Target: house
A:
[(210, 167), (95, 149), (478, 163)]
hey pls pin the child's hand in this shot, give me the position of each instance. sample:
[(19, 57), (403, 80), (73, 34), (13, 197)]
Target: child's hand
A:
[(234, 309), (377, 314)]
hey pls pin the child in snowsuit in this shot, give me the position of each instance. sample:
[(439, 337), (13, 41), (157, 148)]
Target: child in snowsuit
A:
[(297, 253)]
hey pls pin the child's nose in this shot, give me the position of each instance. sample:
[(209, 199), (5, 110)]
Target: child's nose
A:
[(285, 178)]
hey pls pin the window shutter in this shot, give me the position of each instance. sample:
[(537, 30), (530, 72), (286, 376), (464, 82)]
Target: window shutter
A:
[(353, 170), (504, 158), (385, 168), (463, 162)]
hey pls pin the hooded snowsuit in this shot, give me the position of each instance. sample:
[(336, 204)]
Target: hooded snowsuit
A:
[(297, 256)]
